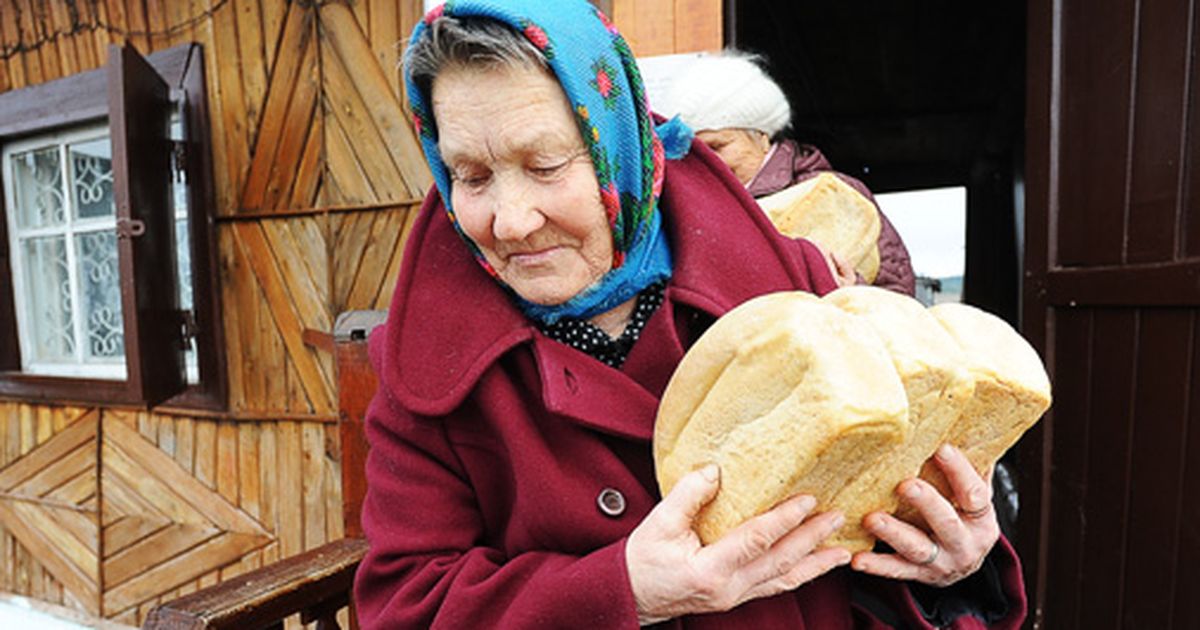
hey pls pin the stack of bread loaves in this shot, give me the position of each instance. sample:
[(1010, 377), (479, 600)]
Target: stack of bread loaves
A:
[(842, 397)]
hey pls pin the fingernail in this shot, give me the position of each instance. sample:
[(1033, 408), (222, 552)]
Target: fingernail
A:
[(945, 452), (912, 491), (711, 473), (845, 559), (879, 524), (807, 503), (838, 521)]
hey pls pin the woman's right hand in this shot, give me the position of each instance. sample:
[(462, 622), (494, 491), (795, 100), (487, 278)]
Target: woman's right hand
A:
[(672, 574)]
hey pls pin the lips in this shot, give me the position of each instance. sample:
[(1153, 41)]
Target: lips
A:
[(532, 257)]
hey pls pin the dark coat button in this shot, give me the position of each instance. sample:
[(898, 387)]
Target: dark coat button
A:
[(611, 502)]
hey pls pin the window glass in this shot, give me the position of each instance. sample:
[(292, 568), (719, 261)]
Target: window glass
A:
[(92, 178), (68, 288), (183, 245), (100, 290), (37, 181), (51, 329)]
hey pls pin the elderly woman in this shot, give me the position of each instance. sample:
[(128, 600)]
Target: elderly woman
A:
[(551, 284), (742, 114)]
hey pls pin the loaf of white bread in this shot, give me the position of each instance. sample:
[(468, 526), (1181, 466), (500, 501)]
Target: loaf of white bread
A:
[(842, 397), (828, 211), (787, 394)]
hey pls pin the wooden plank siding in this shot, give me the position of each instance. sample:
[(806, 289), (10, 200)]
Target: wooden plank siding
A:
[(318, 177), (1112, 298)]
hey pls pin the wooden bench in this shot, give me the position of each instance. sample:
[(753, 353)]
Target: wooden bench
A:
[(315, 584)]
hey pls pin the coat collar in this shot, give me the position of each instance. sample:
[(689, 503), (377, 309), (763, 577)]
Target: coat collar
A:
[(725, 252), (789, 159)]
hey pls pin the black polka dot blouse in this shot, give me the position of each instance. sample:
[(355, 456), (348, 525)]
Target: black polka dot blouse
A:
[(588, 338)]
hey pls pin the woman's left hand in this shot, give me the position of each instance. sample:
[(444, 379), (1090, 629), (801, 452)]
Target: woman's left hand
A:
[(964, 527), (843, 272)]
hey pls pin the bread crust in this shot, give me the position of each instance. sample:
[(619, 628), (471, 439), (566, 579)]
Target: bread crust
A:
[(842, 398), (831, 213), (788, 395)]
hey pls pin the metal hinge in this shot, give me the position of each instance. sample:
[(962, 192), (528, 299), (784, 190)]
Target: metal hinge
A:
[(187, 326), (179, 160)]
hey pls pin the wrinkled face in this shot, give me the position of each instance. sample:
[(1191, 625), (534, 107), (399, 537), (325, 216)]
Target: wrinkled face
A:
[(522, 184), (742, 149)]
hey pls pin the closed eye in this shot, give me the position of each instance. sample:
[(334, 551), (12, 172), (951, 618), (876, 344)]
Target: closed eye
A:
[(471, 180), (548, 171)]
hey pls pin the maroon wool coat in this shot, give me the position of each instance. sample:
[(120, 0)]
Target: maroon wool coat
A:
[(792, 163), (490, 443)]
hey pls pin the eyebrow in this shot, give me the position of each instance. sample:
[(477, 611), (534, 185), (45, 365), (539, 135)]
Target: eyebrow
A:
[(566, 145)]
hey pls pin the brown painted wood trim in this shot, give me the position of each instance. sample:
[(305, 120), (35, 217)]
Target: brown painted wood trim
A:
[(22, 387), (244, 416), (1162, 284), (139, 114), (1042, 113), (267, 595), (212, 390), (75, 99)]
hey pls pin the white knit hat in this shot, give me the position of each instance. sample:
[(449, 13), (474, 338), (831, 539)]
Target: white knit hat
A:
[(726, 90)]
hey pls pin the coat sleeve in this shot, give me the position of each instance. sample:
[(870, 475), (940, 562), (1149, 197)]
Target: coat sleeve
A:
[(895, 266), (991, 599), (428, 565)]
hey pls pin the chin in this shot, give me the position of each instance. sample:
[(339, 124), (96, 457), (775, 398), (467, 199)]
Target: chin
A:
[(543, 299), (545, 296)]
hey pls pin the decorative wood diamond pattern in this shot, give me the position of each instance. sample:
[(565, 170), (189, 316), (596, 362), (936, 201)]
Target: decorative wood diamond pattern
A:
[(49, 504), (147, 527)]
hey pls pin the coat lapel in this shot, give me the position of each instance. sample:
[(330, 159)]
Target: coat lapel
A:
[(587, 391)]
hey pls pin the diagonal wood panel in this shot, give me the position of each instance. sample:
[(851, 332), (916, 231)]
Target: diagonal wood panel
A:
[(62, 535), (37, 530), (297, 133), (159, 528), (290, 317), (365, 246), (367, 106), (81, 432), (296, 38), (347, 113), (178, 528), (215, 509)]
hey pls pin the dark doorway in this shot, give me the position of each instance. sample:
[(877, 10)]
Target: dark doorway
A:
[(911, 94)]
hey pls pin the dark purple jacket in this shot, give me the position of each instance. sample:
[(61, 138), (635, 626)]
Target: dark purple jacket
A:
[(793, 163), (491, 443)]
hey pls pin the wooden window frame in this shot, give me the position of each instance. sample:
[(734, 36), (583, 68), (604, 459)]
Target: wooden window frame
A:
[(154, 350)]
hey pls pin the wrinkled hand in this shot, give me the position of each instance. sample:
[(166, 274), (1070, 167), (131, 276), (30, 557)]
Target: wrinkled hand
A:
[(961, 536), (842, 271), (672, 574)]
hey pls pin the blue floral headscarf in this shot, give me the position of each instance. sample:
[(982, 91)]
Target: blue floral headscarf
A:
[(599, 75)]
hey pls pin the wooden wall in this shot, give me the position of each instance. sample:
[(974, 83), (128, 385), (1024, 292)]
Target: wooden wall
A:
[(1112, 299), (318, 176)]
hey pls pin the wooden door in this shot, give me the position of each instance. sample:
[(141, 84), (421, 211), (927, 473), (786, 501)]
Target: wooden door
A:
[(1111, 479)]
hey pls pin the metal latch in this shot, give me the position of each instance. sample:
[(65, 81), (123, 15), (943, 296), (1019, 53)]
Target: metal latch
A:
[(130, 228)]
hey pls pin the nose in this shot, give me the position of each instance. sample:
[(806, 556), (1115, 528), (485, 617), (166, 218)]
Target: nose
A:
[(516, 214)]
